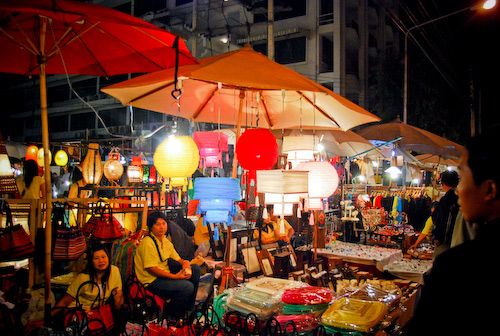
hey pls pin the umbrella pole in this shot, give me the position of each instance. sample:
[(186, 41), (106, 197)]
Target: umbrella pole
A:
[(47, 173)]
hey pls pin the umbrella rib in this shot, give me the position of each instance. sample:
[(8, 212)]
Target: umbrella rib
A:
[(319, 109), (198, 111), (147, 93), (33, 48), (266, 111)]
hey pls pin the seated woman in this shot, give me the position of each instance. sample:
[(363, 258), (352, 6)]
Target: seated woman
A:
[(152, 268), (270, 231), (100, 271)]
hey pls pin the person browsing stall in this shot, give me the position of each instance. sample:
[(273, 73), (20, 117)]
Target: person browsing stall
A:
[(459, 295), (29, 184), (152, 269)]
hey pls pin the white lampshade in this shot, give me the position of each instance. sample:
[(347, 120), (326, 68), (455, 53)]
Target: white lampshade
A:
[(271, 198), (303, 142), (315, 204), (323, 178), (279, 181), (278, 209), (5, 167)]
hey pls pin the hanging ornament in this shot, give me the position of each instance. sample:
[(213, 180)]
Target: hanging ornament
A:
[(32, 153), (177, 158), (212, 145), (257, 149), (40, 159), (113, 169), (92, 167), (61, 158), (134, 171), (152, 175)]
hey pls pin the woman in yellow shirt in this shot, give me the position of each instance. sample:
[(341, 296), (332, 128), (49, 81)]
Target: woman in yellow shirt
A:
[(100, 271)]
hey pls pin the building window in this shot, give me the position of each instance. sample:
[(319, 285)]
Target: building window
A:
[(58, 123), (283, 9), (288, 51), (82, 121), (113, 117), (182, 2), (328, 85), (85, 88), (58, 93), (143, 6), (326, 53), (325, 12)]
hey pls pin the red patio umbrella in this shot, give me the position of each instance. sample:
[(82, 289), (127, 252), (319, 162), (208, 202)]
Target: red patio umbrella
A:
[(57, 37)]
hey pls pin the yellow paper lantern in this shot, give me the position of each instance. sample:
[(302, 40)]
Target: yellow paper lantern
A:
[(61, 158), (92, 167), (39, 157), (177, 156), (31, 153), (113, 169)]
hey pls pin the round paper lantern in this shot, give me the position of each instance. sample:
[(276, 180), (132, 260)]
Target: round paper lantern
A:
[(61, 158), (176, 156), (92, 165), (39, 157), (113, 169), (257, 149), (323, 178), (32, 153)]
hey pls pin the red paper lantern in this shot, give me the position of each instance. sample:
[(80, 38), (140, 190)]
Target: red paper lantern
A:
[(257, 149)]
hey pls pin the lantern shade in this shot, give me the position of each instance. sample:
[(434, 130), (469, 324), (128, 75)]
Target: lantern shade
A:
[(283, 181), (134, 174), (61, 158), (323, 178), (32, 153), (211, 146), (113, 170), (5, 167), (92, 167), (315, 204), (278, 209), (304, 142), (271, 198), (40, 159), (299, 156), (217, 196), (257, 149), (177, 156)]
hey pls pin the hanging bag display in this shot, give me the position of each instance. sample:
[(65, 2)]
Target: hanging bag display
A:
[(103, 225), (15, 243), (69, 242)]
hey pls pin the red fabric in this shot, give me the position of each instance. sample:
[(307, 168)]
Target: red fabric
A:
[(100, 41), (257, 149), (192, 206)]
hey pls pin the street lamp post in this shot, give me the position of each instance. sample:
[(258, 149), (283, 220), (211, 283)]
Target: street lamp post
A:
[(485, 5)]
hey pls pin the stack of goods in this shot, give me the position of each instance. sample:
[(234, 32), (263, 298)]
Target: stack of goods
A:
[(261, 297), (247, 301), (353, 314), (411, 269), (312, 300), (346, 287), (369, 292)]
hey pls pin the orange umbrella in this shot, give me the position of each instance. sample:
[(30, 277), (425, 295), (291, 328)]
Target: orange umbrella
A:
[(413, 138), (242, 85)]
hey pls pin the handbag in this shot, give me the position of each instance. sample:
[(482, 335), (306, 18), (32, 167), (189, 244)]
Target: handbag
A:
[(99, 317), (15, 243), (103, 225), (69, 242)]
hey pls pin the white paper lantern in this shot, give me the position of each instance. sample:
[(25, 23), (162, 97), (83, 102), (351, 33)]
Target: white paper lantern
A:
[(323, 178)]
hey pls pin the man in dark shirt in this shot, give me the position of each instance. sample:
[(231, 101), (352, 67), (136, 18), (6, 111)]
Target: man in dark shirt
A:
[(446, 212), (459, 296)]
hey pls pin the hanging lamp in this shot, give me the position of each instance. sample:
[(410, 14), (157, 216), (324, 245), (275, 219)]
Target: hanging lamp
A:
[(61, 158), (113, 169), (217, 196), (323, 181), (92, 167)]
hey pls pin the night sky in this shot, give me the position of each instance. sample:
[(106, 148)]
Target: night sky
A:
[(462, 47)]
